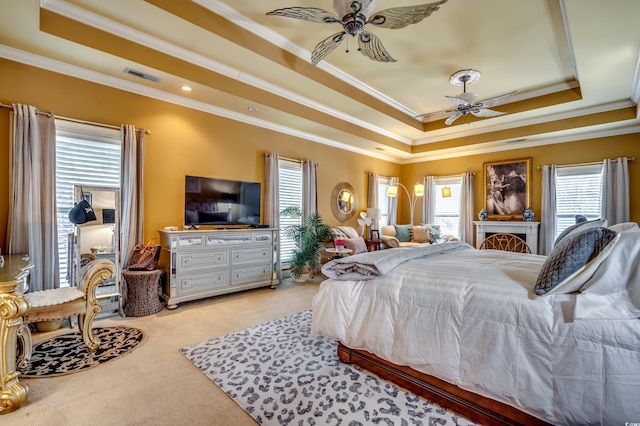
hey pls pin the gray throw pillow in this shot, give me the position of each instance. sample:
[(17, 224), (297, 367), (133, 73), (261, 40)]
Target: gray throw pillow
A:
[(574, 251), (579, 226), (403, 233)]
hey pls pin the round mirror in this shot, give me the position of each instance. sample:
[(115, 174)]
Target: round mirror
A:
[(343, 201)]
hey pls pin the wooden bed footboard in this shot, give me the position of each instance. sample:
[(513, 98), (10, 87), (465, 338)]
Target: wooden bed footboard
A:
[(477, 408)]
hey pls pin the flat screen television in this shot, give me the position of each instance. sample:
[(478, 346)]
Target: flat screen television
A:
[(220, 202)]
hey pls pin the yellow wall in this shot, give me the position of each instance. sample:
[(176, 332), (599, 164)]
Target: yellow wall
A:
[(185, 141), (566, 153)]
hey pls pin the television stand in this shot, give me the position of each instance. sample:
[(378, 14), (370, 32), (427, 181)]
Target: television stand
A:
[(207, 263)]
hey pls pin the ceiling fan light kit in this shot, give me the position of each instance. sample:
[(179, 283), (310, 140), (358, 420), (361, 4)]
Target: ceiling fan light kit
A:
[(354, 16)]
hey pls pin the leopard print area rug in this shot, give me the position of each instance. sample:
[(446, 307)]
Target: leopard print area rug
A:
[(280, 374), (67, 353)]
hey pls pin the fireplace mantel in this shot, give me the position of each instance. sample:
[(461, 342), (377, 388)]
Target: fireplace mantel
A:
[(525, 229)]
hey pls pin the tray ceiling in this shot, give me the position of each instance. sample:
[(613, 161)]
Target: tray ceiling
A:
[(573, 63)]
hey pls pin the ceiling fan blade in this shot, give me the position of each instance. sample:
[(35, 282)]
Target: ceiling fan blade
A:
[(457, 101), (371, 46), (453, 118), (495, 101), (399, 17), (485, 112), (326, 46), (312, 14), (432, 114)]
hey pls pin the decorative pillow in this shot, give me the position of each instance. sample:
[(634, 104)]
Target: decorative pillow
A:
[(580, 226), (420, 234), (624, 226), (355, 244), (613, 292), (403, 232), (570, 256), (434, 231), (389, 230), (344, 232)]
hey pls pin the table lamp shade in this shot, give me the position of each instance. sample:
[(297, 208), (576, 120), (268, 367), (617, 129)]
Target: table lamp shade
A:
[(374, 213)]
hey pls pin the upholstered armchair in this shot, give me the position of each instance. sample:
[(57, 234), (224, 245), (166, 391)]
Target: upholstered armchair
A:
[(65, 302)]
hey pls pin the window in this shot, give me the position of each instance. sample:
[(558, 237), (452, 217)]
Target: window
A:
[(578, 191), (447, 210), (85, 155), (290, 189), (383, 201)]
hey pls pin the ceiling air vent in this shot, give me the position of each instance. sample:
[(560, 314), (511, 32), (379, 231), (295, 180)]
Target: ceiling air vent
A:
[(142, 75)]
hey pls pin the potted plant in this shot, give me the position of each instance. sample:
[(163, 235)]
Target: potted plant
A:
[(307, 237)]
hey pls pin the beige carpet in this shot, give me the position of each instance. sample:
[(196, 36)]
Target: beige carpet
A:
[(155, 384)]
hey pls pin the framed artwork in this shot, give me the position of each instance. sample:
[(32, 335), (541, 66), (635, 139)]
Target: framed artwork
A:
[(375, 234), (507, 188)]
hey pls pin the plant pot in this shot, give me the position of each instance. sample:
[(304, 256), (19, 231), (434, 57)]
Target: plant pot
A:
[(302, 278)]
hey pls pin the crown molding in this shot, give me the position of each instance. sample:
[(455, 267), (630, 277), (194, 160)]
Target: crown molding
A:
[(52, 65), (76, 13), (509, 144)]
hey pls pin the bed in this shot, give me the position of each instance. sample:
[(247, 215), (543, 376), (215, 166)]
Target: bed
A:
[(466, 327)]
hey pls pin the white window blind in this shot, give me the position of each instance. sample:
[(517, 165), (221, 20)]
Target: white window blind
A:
[(85, 155), (383, 201), (290, 188), (447, 210), (578, 191)]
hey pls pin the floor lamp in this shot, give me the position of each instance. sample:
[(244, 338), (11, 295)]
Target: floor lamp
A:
[(418, 191), (374, 213)]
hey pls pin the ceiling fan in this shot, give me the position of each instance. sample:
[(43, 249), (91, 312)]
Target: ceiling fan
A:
[(355, 16), (466, 103)]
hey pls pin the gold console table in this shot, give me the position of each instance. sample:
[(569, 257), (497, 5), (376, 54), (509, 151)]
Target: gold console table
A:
[(14, 271)]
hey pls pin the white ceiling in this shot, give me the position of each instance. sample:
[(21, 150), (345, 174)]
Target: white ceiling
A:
[(567, 59)]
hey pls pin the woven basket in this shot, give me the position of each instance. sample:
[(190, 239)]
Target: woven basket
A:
[(142, 295)]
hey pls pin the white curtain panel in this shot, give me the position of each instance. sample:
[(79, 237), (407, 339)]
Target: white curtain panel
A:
[(309, 187), (393, 202), (615, 190), (271, 201), (132, 192), (372, 196), (429, 199), (32, 226), (466, 208), (549, 209)]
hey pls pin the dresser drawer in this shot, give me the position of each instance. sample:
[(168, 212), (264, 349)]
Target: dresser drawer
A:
[(202, 260), (250, 274), (244, 256), (190, 241), (204, 281)]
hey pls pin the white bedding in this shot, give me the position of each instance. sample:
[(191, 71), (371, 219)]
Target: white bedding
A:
[(470, 317)]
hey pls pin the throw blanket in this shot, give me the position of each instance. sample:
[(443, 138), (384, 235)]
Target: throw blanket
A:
[(367, 266)]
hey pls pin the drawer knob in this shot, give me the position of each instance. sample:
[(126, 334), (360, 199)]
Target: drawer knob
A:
[(187, 261), (187, 283)]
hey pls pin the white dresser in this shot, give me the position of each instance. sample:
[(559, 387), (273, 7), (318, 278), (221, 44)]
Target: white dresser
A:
[(204, 263)]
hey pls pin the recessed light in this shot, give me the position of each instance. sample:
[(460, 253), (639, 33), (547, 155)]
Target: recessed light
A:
[(252, 109), (186, 88)]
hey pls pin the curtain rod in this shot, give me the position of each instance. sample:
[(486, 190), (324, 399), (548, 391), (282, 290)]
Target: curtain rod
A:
[(76, 120), (452, 176), (594, 163)]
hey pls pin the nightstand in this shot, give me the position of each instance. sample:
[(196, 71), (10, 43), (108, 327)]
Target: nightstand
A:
[(372, 245)]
